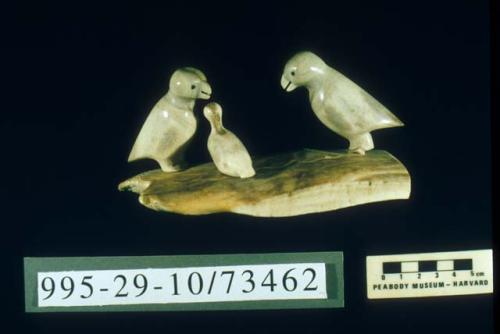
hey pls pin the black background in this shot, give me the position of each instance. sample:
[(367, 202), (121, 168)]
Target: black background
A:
[(78, 81)]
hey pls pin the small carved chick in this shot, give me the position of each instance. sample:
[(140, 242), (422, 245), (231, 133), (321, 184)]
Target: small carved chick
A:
[(228, 153), (340, 104), (171, 123)]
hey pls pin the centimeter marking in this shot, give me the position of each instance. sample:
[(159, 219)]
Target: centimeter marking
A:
[(429, 274), (426, 266)]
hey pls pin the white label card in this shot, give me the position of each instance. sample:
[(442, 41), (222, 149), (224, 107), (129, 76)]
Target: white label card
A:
[(182, 285), (429, 274)]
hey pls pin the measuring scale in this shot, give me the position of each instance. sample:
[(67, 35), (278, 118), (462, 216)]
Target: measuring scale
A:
[(429, 274)]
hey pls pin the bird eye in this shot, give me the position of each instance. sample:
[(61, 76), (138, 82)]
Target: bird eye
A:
[(193, 86), (292, 73)]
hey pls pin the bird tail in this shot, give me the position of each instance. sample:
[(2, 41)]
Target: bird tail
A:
[(397, 122)]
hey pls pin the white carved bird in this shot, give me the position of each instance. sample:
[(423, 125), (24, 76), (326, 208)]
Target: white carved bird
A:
[(340, 104), (171, 122), (228, 153)]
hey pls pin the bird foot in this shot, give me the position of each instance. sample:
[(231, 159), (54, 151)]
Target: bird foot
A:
[(358, 150), (168, 167)]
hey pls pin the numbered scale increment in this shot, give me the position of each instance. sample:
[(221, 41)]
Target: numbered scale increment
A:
[(429, 274), (426, 266)]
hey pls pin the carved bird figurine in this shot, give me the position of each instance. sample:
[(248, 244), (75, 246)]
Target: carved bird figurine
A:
[(228, 153), (171, 122), (340, 104)]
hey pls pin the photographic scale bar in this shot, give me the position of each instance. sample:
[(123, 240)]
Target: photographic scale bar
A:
[(403, 267), (435, 274)]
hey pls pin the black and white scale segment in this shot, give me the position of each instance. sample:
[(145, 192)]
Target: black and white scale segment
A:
[(402, 267)]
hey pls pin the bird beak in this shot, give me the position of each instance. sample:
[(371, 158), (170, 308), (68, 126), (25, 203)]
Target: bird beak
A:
[(205, 91), (287, 84)]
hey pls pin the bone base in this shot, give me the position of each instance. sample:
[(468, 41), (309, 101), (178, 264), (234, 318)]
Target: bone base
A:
[(289, 184)]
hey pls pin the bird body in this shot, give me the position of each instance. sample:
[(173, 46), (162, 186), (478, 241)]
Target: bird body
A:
[(227, 151), (339, 103), (171, 123), (166, 130)]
